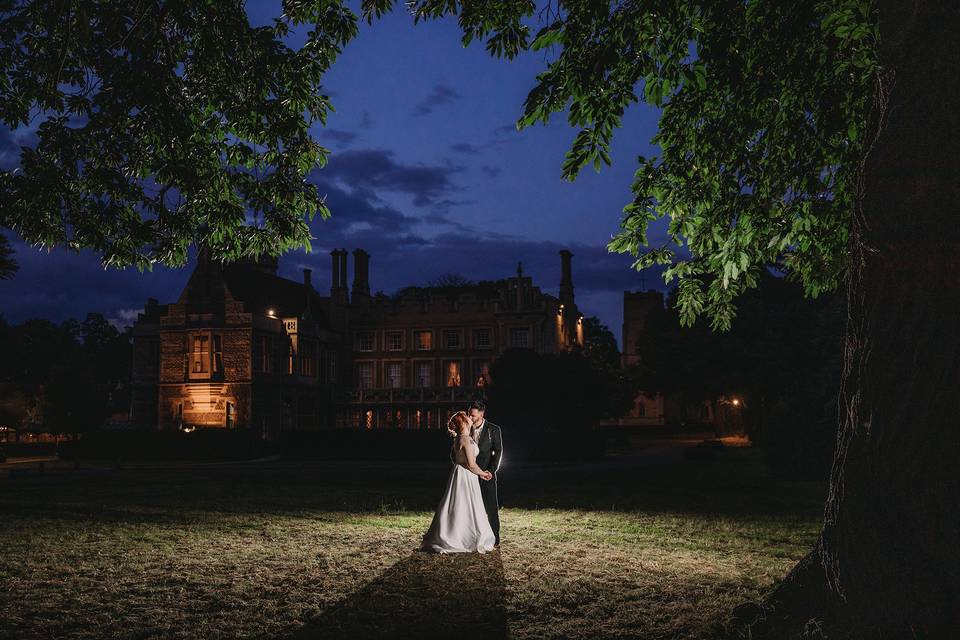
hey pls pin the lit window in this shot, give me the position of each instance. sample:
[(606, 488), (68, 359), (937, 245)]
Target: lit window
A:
[(394, 341), (423, 340), (481, 373), (365, 375), (206, 354), (365, 341), (520, 337), (424, 374), (482, 339), (200, 354), (452, 369), (451, 339), (217, 353), (394, 374)]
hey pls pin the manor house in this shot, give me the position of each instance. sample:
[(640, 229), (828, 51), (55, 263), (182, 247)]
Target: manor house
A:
[(245, 348)]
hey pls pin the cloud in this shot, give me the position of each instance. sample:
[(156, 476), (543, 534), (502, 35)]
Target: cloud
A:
[(61, 284), (342, 138), (438, 219), (464, 148), (491, 172), (378, 170), (504, 134), (441, 95), (447, 204), (123, 318), (359, 207), (366, 122)]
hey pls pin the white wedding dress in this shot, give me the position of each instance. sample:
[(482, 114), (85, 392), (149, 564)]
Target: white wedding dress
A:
[(460, 524)]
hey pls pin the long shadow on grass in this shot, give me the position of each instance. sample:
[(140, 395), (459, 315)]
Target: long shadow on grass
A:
[(424, 596)]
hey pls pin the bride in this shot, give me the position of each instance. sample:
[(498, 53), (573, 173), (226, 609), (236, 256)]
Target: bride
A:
[(460, 524)]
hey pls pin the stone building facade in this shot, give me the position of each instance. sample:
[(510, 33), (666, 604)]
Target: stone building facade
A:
[(243, 347)]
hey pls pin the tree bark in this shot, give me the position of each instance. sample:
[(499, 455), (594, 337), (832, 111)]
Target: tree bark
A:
[(887, 564)]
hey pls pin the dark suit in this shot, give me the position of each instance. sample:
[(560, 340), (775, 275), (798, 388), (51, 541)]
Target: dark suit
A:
[(490, 443)]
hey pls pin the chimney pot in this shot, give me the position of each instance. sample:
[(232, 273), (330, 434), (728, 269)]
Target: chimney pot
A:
[(334, 272), (361, 273)]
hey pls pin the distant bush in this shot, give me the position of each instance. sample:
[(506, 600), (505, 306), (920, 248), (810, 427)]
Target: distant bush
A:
[(567, 392)]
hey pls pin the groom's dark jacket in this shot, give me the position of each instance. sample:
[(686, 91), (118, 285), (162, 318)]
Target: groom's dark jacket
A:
[(490, 443)]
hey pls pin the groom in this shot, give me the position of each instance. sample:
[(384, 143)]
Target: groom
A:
[(491, 452)]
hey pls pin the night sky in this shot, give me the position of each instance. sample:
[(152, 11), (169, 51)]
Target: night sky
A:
[(428, 174)]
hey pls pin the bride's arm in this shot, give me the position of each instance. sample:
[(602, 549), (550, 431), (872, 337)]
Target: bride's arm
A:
[(471, 459)]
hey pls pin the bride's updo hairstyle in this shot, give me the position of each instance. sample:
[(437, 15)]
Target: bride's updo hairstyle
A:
[(456, 421)]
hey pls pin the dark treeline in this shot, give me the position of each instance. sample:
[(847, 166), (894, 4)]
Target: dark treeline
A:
[(563, 392), (781, 358), (63, 378)]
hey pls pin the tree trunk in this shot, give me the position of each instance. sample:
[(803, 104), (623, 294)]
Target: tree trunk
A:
[(887, 564)]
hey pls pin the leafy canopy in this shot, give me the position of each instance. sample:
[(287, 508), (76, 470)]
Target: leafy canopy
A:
[(763, 106), (161, 123)]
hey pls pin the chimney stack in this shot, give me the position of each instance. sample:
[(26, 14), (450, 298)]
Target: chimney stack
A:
[(338, 276), (306, 278), (334, 273), (566, 280), (361, 274)]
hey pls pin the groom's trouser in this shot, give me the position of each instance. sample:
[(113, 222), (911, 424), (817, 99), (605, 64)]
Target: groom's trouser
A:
[(488, 489)]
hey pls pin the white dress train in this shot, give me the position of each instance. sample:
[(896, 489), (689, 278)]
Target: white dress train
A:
[(460, 524)]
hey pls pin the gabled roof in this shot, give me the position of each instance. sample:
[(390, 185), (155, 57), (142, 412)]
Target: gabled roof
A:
[(261, 291)]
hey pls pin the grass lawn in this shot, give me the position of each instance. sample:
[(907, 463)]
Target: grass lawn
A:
[(647, 545)]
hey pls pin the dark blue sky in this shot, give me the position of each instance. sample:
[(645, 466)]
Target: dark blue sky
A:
[(428, 174)]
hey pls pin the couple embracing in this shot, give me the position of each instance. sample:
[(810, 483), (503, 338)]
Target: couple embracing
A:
[(467, 519)]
